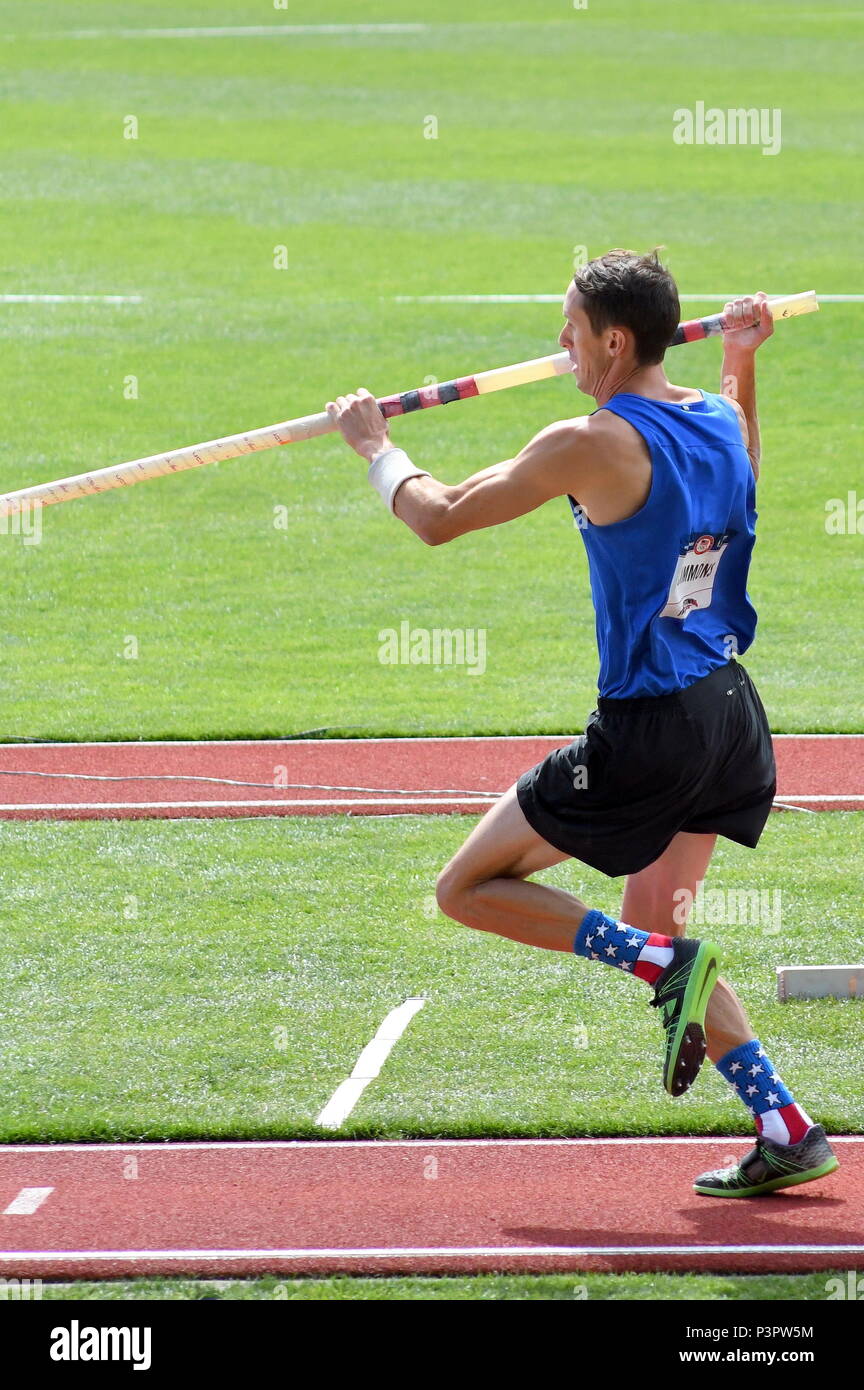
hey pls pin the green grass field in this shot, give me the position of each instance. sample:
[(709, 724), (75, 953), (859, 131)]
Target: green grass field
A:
[(182, 978), (491, 1288), (554, 130), (152, 971)]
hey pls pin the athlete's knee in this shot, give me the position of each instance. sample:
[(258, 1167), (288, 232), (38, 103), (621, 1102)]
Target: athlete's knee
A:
[(459, 888), (453, 893), (449, 892)]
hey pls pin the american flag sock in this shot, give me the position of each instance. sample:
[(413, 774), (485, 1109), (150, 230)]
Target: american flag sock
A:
[(641, 953), (752, 1076)]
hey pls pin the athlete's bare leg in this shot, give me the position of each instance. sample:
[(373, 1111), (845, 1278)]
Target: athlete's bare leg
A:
[(484, 885), (650, 903)]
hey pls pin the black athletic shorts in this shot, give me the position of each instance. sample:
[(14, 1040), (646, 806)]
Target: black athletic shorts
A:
[(699, 759)]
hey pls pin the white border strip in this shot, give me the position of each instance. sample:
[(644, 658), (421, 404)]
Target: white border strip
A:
[(459, 739), (427, 1252), (368, 1064), (557, 298), (71, 298), (248, 31), (852, 796), (476, 800), (161, 1146), (470, 798)]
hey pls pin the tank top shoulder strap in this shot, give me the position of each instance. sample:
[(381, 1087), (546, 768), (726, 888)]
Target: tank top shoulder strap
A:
[(659, 420)]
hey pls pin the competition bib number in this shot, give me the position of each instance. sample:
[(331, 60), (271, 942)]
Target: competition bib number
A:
[(693, 581)]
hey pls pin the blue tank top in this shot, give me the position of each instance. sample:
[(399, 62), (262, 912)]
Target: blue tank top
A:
[(669, 583)]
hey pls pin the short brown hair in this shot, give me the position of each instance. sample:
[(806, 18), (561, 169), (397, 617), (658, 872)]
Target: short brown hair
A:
[(637, 292)]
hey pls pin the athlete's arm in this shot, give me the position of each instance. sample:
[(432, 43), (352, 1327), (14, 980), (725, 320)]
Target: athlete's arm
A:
[(748, 322), (549, 466)]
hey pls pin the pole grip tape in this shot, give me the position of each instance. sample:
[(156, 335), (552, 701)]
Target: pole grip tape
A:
[(694, 329), (443, 393)]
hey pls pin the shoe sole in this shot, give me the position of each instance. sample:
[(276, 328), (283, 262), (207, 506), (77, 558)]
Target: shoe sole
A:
[(773, 1184), (688, 1050)]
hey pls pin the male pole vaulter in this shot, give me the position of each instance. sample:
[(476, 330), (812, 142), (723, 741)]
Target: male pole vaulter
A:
[(661, 480)]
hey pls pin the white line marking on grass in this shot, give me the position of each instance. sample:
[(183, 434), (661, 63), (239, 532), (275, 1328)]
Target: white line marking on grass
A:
[(368, 1064), (246, 31), (337, 1145), (421, 1252), (478, 298), (29, 1199), (71, 298), (557, 298)]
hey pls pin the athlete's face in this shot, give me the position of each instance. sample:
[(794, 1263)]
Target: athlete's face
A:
[(592, 354)]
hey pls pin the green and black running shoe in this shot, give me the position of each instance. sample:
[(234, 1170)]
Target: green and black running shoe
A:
[(771, 1166), (682, 992)]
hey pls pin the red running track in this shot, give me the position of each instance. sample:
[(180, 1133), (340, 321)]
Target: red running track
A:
[(440, 1206), (347, 776)]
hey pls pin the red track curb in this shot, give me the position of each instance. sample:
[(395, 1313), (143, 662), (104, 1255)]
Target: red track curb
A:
[(415, 1207)]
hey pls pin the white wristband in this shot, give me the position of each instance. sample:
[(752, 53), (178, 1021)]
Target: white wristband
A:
[(389, 470)]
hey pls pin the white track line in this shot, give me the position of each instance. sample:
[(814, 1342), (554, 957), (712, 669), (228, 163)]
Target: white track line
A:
[(421, 1252), (476, 800), (557, 298), (350, 742), (71, 298), (303, 742), (246, 31), (29, 1199), (368, 1064), (853, 796), (160, 1146)]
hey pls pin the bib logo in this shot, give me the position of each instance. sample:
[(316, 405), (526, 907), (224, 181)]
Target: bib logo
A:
[(77, 1343), (692, 584)]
